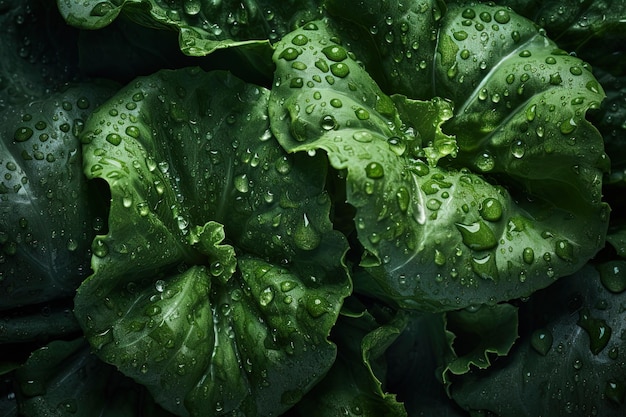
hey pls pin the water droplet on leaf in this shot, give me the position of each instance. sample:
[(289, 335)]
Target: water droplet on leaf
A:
[(541, 340), (597, 329)]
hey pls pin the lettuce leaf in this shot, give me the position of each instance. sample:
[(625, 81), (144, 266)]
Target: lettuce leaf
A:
[(220, 276), (483, 199)]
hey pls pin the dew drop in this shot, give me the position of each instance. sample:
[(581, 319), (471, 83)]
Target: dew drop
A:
[(328, 122), (132, 131), (363, 136), (266, 296), (192, 7), (336, 103), (502, 16), (615, 391), (613, 275), (593, 86), (152, 310), (241, 183), (316, 307), (460, 35), (598, 331), (22, 134), (468, 13), (362, 114), (289, 54), (216, 268), (518, 149), (397, 145), (287, 286), (433, 204), (339, 69), (335, 53), (322, 65), (485, 162), (485, 267), (491, 210), (440, 258), (100, 248), (300, 40), (541, 340), (528, 255), (477, 236), (403, 198), (575, 70), (296, 82), (555, 79), (564, 250), (374, 170), (114, 139), (159, 285), (143, 209)]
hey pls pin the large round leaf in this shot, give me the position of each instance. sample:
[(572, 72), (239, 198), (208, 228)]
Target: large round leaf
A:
[(220, 276), (484, 196)]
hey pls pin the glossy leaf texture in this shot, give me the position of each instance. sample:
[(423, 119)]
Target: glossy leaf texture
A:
[(477, 336), (47, 221), (572, 344), (65, 378), (356, 384), (415, 363), (38, 51), (509, 200), (220, 276), (203, 25)]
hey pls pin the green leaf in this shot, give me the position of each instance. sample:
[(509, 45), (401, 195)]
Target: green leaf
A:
[(477, 335), (572, 348), (47, 210), (448, 221), (64, 377), (38, 51), (204, 26), (415, 361), (354, 385), (395, 41), (220, 276)]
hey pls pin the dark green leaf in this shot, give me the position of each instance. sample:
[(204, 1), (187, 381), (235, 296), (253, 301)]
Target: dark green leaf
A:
[(47, 213), (65, 378), (204, 26), (220, 276), (478, 335), (38, 52), (416, 360), (353, 387), (568, 362)]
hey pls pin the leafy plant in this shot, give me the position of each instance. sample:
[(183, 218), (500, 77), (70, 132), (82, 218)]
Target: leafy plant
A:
[(219, 208)]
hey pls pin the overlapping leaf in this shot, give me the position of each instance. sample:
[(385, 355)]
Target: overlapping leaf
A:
[(220, 275), (204, 25), (47, 221), (507, 205)]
